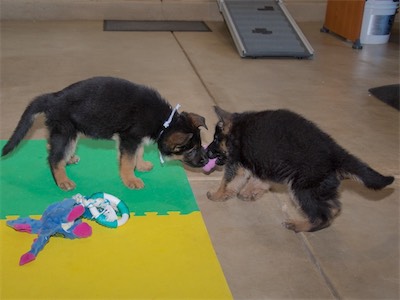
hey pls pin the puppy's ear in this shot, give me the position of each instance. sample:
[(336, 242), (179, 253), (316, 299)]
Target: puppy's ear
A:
[(224, 116), (177, 140), (197, 120)]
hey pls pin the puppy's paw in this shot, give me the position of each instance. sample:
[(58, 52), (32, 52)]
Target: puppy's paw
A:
[(144, 166), (297, 226), (219, 197), (66, 185), (288, 224), (251, 195), (254, 189), (73, 160), (134, 183), (214, 197), (246, 197)]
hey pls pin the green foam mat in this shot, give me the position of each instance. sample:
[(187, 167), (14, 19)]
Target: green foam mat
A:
[(27, 186)]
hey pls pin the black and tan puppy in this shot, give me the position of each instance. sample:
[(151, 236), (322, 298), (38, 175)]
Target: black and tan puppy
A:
[(105, 108), (281, 146)]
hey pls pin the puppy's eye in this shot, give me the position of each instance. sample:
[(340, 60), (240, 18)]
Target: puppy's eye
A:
[(181, 148), (178, 148), (220, 125)]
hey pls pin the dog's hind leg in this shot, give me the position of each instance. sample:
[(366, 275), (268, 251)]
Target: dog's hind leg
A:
[(141, 164), (319, 204), (235, 178), (59, 144), (253, 189)]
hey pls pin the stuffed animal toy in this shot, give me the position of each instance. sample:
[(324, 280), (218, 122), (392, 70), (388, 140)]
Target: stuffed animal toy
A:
[(59, 219)]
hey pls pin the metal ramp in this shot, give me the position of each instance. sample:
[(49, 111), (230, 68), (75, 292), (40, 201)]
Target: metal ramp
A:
[(263, 29)]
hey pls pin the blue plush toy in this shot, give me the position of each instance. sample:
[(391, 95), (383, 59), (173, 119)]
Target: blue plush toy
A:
[(59, 219)]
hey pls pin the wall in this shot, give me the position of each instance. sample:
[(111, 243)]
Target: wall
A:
[(301, 10)]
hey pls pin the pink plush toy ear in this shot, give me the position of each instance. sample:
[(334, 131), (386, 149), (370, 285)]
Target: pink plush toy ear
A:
[(75, 213), (23, 228), (83, 230)]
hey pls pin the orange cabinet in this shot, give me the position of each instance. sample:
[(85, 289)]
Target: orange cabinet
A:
[(344, 18)]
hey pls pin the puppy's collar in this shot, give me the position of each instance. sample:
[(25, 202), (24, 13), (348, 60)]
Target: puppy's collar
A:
[(166, 125), (168, 122)]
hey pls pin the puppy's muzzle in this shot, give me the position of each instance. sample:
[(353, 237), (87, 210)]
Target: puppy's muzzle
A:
[(196, 158), (211, 154)]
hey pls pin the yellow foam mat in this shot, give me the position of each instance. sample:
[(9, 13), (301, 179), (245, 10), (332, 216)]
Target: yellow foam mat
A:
[(150, 257)]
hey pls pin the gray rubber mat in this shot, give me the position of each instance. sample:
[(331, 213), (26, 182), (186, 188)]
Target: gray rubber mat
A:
[(389, 94), (121, 25)]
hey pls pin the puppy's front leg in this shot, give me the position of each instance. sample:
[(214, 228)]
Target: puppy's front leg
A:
[(61, 178), (127, 166), (235, 178), (141, 164)]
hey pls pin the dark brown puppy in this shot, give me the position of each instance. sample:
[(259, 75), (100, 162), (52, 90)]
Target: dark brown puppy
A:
[(105, 108), (281, 146)]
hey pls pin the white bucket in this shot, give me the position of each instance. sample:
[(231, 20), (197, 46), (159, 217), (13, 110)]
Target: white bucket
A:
[(377, 21)]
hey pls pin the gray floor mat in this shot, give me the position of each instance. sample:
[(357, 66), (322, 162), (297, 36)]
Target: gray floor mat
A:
[(121, 25), (388, 94)]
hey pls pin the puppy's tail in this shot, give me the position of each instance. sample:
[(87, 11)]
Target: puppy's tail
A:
[(38, 105), (352, 167)]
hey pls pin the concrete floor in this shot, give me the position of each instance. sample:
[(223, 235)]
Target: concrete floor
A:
[(358, 256)]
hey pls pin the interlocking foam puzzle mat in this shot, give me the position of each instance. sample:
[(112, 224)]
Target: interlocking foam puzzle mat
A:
[(162, 252)]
